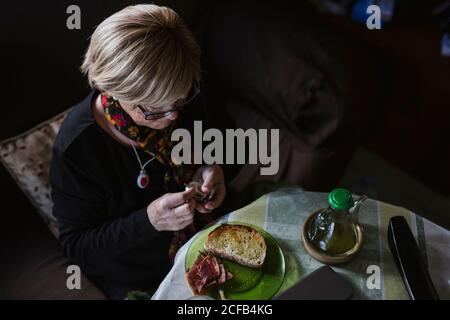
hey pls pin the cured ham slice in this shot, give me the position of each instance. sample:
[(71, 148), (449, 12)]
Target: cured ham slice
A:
[(223, 275), (206, 273)]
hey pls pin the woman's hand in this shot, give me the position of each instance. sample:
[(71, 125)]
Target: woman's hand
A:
[(172, 211), (213, 182)]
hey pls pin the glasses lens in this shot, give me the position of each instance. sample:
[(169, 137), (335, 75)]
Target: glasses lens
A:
[(156, 116), (159, 115)]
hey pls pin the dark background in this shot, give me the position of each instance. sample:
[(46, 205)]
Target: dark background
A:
[(41, 58), (40, 61)]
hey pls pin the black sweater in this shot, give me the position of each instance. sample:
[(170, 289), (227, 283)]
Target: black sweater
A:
[(101, 212)]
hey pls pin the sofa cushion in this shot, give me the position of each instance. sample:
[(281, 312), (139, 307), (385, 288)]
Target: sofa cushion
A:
[(27, 158)]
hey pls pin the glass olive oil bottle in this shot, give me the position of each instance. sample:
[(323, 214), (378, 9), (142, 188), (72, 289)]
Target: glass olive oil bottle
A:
[(333, 230)]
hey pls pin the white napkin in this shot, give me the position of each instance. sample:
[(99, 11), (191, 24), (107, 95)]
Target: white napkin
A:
[(175, 286)]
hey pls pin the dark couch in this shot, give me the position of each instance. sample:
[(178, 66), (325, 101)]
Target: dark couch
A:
[(304, 82), (285, 66)]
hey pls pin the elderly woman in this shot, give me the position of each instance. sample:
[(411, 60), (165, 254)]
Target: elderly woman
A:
[(120, 200)]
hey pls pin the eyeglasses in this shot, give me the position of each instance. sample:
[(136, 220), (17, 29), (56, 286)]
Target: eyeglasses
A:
[(195, 90)]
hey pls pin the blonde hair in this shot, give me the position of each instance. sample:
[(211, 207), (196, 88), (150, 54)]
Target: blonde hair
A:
[(143, 54)]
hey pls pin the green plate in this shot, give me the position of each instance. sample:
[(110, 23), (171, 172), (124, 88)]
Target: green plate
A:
[(247, 283)]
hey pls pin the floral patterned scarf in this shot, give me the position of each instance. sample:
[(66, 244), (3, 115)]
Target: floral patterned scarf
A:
[(156, 143)]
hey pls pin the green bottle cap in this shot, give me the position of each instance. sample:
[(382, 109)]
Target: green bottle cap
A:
[(340, 199)]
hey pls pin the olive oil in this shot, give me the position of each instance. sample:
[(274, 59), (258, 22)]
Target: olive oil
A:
[(334, 230)]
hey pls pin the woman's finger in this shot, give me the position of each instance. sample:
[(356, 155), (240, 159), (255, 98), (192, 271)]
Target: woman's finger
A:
[(201, 208), (185, 209), (183, 224), (180, 223), (210, 178), (173, 200), (217, 199)]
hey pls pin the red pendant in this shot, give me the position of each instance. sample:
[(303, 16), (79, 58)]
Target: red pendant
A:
[(143, 179)]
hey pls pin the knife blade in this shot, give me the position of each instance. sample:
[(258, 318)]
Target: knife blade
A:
[(409, 261)]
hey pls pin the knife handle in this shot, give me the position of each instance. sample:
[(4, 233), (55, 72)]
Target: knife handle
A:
[(409, 261)]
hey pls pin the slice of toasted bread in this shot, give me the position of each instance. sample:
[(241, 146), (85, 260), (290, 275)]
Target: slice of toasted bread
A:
[(238, 243)]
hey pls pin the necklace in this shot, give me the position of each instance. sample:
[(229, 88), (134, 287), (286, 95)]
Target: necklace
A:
[(143, 178)]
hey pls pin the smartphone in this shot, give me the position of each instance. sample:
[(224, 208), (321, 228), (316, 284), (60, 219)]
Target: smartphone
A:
[(321, 284)]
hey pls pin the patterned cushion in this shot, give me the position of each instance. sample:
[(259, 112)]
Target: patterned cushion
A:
[(27, 158)]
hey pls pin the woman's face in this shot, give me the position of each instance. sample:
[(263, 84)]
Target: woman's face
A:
[(137, 114)]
